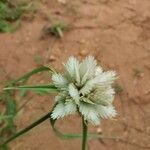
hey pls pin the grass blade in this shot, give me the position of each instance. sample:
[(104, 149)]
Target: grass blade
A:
[(78, 135), (29, 74), (5, 117), (21, 132), (36, 88)]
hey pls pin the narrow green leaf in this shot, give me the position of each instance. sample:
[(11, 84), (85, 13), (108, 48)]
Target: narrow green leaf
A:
[(60, 134), (35, 88), (22, 93), (29, 74), (5, 117), (73, 135), (10, 107), (25, 130), (10, 110)]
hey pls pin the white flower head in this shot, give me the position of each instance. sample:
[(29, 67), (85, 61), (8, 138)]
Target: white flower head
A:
[(86, 88)]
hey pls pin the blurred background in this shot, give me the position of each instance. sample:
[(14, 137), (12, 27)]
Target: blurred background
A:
[(34, 33)]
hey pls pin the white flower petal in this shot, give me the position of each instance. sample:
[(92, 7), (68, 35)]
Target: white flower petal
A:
[(103, 96), (61, 96), (87, 68), (87, 87), (70, 107), (98, 70), (90, 113), (59, 80), (106, 111), (74, 93), (87, 100), (72, 68), (58, 98), (105, 78), (59, 111)]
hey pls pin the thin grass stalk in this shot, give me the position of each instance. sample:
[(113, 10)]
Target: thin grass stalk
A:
[(84, 134), (23, 131)]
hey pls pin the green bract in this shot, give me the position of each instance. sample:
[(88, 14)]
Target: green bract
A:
[(86, 88)]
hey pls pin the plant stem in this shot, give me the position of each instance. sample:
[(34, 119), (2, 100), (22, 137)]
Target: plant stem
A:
[(23, 131), (84, 134)]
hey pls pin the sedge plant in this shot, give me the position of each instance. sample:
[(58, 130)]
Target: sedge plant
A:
[(11, 12), (83, 88)]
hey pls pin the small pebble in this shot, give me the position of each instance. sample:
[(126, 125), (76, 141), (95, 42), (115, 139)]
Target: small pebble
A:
[(82, 41), (62, 1), (99, 130), (83, 52), (52, 58)]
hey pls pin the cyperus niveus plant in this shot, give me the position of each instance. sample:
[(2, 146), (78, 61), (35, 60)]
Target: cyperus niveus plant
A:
[(83, 87), (86, 88)]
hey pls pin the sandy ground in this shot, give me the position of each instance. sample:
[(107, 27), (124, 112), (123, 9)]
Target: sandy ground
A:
[(117, 33)]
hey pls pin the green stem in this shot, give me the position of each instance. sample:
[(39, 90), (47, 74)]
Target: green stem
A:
[(23, 131), (85, 133)]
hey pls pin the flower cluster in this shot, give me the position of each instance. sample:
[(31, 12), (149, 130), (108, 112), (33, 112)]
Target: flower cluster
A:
[(86, 88)]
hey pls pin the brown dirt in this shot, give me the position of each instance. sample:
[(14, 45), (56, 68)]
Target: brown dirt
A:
[(117, 33)]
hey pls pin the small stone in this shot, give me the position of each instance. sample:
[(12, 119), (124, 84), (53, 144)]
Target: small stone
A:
[(62, 1), (99, 130), (83, 52), (142, 75), (82, 41), (52, 58)]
